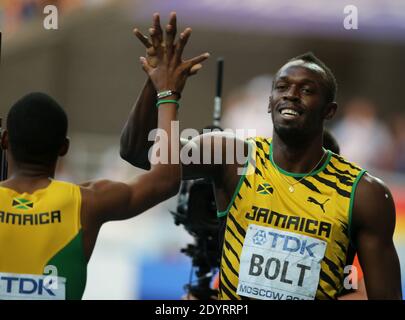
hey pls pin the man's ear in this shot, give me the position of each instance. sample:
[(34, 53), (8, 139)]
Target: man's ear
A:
[(4, 140), (330, 110), (65, 147)]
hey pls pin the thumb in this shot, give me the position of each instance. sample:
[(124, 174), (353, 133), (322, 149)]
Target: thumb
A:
[(194, 69), (145, 65)]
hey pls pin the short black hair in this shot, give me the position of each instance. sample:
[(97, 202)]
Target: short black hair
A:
[(37, 128), (331, 83)]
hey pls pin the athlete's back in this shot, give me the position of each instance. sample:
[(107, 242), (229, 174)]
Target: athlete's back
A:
[(41, 242)]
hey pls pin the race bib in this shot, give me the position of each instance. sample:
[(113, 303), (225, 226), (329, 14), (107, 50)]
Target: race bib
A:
[(279, 265), (15, 286)]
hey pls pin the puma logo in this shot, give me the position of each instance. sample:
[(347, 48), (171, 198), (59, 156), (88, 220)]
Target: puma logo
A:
[(313, 200)]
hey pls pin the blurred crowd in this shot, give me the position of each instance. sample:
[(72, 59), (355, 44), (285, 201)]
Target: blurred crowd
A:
[(15, 13), (370, 137)]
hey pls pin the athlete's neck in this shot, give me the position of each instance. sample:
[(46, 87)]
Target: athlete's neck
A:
[(297, 158), (28, 177)]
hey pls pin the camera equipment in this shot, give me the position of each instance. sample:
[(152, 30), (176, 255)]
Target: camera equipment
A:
[(197, 211)]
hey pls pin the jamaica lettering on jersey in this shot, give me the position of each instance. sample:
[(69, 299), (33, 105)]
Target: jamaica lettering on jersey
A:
[(284, 221), (39, 232), (30, 219), (283, 245)]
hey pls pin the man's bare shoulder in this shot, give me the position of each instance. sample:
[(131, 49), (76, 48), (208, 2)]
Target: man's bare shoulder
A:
[(373, 204), (371, 190), (97, 191)]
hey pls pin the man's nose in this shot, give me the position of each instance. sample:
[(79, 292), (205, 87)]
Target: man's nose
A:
[(291, 94)]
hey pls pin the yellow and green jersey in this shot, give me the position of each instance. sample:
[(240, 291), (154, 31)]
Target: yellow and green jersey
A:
[(283, 245), (41, 246)]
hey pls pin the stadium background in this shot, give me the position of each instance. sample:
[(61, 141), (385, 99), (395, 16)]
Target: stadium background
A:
[(90, 65)]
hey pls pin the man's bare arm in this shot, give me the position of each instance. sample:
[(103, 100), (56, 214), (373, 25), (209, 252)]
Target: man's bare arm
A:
[(214, 155), (142, 119), (359, 294), (373, 225), (116, 201)]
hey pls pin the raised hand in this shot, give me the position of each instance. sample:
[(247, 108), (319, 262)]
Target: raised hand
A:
[(167, 49)]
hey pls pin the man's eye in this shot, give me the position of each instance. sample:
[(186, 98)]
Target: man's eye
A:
[(307, 90), (281, 86)]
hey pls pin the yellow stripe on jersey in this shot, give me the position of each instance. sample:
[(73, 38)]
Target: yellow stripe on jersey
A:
[(318, 209)]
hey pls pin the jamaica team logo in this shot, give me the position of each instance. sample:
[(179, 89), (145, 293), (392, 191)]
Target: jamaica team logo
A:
[(264, 188), (21, 203)]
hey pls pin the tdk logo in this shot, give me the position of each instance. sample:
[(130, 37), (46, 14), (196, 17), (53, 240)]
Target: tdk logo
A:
[(292, 244), (11, 285), (260, 237)]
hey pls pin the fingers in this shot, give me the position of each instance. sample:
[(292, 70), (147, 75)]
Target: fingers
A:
[(184, 36), (156, 31), (171, 30), (196, 61), (144, 39), (169, 51), (145, 65)]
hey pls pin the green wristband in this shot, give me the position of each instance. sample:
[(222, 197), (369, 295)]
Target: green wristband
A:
[(167, 101)]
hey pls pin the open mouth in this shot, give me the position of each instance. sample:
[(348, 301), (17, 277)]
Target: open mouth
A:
[(289, 113)]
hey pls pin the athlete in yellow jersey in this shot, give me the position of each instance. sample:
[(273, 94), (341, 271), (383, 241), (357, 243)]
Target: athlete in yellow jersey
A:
[(297, 213), (48, 228), (288, 243), (330, 143)]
